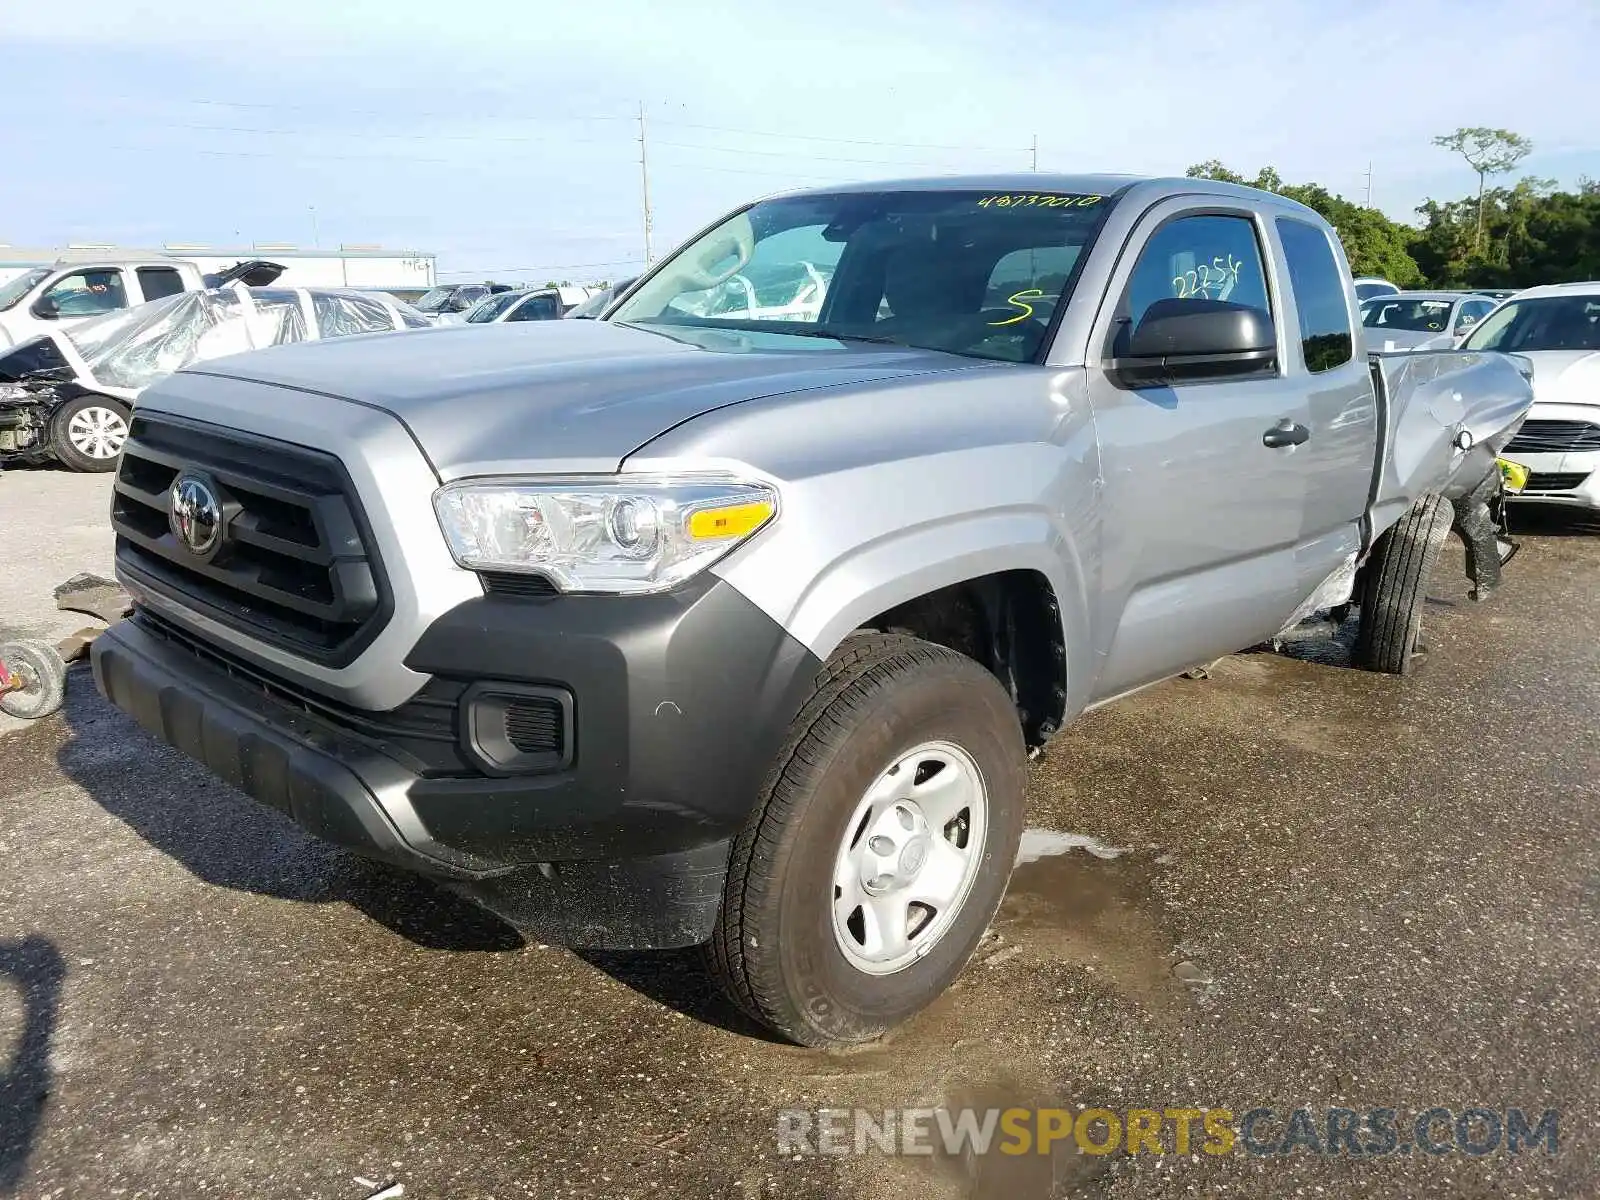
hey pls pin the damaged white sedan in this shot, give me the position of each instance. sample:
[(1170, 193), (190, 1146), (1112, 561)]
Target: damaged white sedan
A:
[(67, 394)]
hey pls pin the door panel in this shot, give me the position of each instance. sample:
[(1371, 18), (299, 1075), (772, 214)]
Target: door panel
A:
[(1337, 460), (1201, 518)]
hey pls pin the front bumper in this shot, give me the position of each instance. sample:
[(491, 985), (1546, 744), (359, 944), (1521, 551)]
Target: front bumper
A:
[(1571, 478), (678, 705), (1566, 477)]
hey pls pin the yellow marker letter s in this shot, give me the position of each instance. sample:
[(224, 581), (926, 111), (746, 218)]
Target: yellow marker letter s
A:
[(1020, 300)]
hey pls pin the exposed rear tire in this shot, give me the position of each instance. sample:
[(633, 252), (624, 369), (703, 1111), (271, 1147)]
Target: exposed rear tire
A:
[(87, 432), (881, 846), (43, 676), (1395, 585)]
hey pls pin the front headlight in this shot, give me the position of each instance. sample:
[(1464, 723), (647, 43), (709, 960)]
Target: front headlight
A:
[(619, 534)]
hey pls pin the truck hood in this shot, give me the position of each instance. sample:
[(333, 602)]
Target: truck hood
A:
[(575, 396), (1565, 376)]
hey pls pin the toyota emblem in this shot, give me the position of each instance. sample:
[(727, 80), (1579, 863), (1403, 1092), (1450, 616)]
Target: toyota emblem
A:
[(196, 514)]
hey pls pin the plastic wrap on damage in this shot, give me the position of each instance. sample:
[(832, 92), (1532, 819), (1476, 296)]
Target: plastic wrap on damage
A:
[(134, 348), (343, 315)]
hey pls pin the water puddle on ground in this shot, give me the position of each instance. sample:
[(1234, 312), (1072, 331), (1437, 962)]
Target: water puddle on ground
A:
[(1075, 898)]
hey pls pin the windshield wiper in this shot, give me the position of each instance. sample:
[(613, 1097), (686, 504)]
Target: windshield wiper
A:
[(840, 337)]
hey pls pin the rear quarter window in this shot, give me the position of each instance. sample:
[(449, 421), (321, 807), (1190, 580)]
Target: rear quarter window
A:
[(1326, 339)]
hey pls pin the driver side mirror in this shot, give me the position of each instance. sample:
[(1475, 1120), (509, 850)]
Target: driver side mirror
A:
[(45, 309), (1185, 341)]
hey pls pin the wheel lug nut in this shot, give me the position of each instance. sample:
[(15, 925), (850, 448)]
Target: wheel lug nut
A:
[(878, 883), (880, 845), (906, 821)]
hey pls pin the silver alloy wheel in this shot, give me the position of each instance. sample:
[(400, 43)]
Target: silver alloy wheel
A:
[(909, 856), (97, 432)]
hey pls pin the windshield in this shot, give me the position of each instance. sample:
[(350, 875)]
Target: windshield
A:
[(491, 307), (977, 273), (1542, 323), (1419, 316), (435, 300), (21, 286)]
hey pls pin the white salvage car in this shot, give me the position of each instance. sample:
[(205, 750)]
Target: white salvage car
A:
[(68, 394), (1557, 329)]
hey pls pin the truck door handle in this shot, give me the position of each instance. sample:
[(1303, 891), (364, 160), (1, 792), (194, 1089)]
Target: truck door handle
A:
[(1285, 433)]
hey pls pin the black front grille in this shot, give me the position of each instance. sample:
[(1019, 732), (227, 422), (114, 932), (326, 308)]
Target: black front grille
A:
[(535, 726), (1554, 481), (296, 567), (1555, 437)]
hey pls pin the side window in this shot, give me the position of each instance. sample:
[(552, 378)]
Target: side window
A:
[(156, 282), (1197, 258), (1472, 311), (87, 294), (1325, 335), (538, 308)]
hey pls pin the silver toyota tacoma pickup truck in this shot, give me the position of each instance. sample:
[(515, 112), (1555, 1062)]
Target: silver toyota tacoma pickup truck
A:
[(730, 618)]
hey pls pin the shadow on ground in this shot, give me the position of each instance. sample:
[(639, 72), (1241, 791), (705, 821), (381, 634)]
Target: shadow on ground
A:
[(36, 968), (227, 839)]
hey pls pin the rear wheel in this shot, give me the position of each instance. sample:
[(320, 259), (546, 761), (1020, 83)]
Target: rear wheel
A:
[(87, 432), (1394, 587), (881, 848)]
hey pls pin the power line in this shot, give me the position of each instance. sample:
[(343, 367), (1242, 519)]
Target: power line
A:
[(413, 137), (456, 115), (808, 137), (885, 162), (534, 270), (460, 116)]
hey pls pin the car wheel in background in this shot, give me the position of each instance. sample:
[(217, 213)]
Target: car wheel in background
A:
[(35, 679), (1394, 587), (882, 847), (87, 432)]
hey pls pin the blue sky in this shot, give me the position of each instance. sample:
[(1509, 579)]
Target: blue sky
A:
[(500, 133)]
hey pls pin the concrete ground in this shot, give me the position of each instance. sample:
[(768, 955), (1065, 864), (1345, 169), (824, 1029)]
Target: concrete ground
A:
[(1337, 889)]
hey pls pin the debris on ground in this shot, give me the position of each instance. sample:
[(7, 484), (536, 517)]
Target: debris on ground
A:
[(94, 595)]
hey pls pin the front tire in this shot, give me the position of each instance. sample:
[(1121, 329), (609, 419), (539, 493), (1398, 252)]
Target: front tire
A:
[(1395, 587), (881, 848), (87, 433)]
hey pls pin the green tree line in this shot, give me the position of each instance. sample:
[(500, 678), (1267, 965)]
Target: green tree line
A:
[(1526, 233)]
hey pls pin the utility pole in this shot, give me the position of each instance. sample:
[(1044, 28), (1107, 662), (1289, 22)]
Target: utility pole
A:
[(1369, 183), (1036, 152), (644, 183)]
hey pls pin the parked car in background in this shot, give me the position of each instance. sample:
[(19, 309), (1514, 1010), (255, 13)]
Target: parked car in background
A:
[(68, 394), (531, 304), (85, 284), (1412, 320), (450, 298), (596, 304), (1557, 329), (1369, 286), (1495, 293), (696, 625)]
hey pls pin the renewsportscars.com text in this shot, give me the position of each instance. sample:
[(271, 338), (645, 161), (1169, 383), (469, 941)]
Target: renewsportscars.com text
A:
[(1335, 1131)]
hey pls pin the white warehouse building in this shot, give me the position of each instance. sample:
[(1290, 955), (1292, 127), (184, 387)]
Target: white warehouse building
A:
[(355, 266)]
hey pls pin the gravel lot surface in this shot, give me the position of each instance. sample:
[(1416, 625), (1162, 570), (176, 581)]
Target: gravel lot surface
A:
[(1335, 889)]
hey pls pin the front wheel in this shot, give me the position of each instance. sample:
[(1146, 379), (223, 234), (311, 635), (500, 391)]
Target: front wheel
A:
[(1394, 587), (881, 848), (87, 432)]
